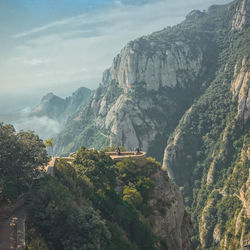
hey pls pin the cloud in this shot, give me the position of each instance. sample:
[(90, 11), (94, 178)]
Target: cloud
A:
[(51, 56), (37, 61), (123, 12), (43, 125), (44, 28)]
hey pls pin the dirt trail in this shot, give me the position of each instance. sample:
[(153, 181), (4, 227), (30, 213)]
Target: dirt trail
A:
[(8, 234), (12, 229)]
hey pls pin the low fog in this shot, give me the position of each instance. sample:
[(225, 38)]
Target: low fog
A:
[(40, 125)]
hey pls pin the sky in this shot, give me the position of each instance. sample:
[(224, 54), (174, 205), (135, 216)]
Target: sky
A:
[(60, 45)]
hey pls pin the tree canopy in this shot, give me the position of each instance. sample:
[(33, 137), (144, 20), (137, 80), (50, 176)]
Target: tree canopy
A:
[(22, 156)]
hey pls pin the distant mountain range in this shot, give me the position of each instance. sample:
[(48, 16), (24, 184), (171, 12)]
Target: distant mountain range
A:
[(61, 109), (49, 117)]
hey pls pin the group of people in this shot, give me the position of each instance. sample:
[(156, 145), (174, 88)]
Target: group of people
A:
[(137, 151)]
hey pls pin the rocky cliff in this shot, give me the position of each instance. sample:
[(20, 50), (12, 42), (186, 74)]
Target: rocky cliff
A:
[(150, 85), (241, 17), (169, 219)]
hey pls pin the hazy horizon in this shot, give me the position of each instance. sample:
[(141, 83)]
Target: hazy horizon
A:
[(59, 46)]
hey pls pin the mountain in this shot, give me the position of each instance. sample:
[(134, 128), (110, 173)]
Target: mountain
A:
[(150, 85), (60, 109), (185, 89), (208, 155)]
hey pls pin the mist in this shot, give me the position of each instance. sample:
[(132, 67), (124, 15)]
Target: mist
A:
[(43, 126)]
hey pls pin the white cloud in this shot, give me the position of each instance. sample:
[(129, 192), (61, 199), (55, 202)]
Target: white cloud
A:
[(37, 61), (81, 47), (43, 126)]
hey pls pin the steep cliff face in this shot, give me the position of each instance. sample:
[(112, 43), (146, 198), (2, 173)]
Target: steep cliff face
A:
[(169, 219), (207, 155), (146, 72), (240, 89), (157, 64), (241, 17), (151, 83)]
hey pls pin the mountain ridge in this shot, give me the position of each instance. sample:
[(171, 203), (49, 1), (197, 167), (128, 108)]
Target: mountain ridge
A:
[(157, 77), (61, 109)]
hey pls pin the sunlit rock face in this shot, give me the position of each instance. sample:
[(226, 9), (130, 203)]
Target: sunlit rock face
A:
[(242, 15), (169, 219), (145, 60), (139, 94)]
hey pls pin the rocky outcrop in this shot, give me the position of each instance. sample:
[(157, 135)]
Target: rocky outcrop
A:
[(217, 234), (146, 71), (204, 227), (240, 90), (245, 194), (242, 15), (175, 145), (145, 60), (169, 220), (150, 85)]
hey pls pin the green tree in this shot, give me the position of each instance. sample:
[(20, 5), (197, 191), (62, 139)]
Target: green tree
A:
[(49, 144), (97, 166), (61, 221), (22, 157), (131, 195)]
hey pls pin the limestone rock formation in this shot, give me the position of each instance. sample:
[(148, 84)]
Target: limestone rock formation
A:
[(143, 68), (145, 60), (169, 220), (240, 91), (242, 15), (150, 85)]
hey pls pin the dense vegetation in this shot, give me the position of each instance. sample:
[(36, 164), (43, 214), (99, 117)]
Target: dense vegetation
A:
[(93, 204), (212, 166), (20, 156)]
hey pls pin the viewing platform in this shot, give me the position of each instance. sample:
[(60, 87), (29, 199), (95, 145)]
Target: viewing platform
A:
[(139, 158), (246, 244)]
